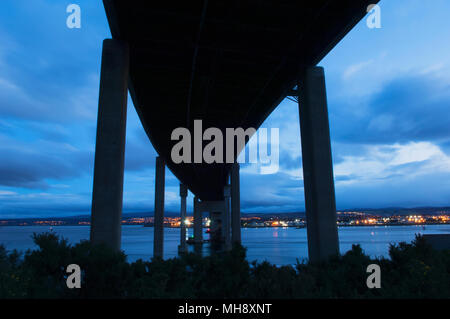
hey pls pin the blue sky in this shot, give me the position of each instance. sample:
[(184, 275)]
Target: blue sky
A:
[(388, 97)]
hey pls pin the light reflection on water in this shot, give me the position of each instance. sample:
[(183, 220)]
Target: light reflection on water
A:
[(276, 245)]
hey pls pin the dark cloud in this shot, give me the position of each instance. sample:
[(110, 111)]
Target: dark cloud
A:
[(289, 161), (48, 71), (277, 191), (139, 155), (28, 168), (63, 104), (342, 150), (30, 165), (413, 108)]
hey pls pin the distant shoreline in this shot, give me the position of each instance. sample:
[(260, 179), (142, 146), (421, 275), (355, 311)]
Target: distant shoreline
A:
[(297, 227), (345, 218)]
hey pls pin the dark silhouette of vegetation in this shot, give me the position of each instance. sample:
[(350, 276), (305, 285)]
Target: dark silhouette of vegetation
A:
[(413, 271)]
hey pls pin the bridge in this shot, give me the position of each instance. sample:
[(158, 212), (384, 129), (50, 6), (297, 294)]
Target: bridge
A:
[(228, 63)]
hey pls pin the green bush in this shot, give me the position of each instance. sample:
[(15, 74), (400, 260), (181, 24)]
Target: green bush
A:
[(412, 271)]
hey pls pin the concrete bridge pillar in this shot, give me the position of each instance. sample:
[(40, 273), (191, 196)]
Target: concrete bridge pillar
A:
[(106, 213), (235, 205), (318, 178), (226, 217), (183, 194), (158, 242), (198, 219)]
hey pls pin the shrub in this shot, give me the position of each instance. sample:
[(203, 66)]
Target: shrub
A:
[(413, 271)]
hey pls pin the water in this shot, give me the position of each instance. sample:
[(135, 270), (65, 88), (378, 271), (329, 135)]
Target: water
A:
[(279, 246)]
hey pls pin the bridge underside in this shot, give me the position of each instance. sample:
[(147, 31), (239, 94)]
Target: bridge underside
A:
[(228, 63)]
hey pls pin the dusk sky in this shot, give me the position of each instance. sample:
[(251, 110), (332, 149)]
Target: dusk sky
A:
[(388, 98)]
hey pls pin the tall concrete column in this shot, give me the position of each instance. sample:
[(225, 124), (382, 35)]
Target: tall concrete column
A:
[(158, 242), (318, 178), (226, 217), (198, 226), (183, 194), (235, 205), (106, 213)]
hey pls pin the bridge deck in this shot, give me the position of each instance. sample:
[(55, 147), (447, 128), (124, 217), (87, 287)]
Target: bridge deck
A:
[(230, 63)]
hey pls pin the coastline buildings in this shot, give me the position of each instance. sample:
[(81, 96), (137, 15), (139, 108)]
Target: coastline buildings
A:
[(353, 218)]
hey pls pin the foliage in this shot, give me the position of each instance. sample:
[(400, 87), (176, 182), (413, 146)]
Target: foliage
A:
[(412, 271)]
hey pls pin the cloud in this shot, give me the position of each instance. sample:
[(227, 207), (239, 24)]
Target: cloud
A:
[(355, 68), (7, 193), (411, 174), (408, 108), (139, 152), (49, 72), (31, 166), (277, 192), (390, 162), (62, 105)]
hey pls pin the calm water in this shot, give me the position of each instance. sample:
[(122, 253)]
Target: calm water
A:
[(276, 245)]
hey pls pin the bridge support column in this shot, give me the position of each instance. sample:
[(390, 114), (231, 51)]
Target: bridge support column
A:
[(198, 226), (226, 218), (183, 194), (106, 213), (158, 242), (235, 205), (318, 178)]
